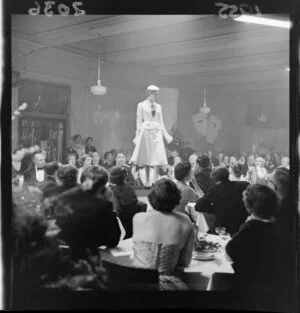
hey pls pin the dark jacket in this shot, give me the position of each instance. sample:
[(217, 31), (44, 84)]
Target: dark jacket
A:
[(262, 255), (86, 222), (90, 149), (245, 169), (286, 211), (30, 177), (203, 179), (126, 206), (129, 179), (48, 184), (56, 190), (225, 200)]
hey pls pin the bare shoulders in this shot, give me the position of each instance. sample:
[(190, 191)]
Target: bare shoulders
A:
[(183, 217), (139, 216)]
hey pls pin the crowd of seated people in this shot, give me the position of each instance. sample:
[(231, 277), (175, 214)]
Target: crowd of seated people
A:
[(91, 201)]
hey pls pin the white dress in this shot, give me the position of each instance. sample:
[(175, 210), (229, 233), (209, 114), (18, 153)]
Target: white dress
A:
[(150, 131)]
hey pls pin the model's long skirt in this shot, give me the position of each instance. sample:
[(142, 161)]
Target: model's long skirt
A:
[(150, 149)]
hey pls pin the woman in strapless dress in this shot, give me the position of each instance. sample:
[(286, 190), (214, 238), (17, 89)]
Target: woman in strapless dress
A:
[(162, 238)]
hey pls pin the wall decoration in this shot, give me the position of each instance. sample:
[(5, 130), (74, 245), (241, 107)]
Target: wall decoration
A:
[(206, 124)]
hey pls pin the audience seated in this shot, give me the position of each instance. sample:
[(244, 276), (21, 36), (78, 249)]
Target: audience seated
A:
[(261, 171), (35, 175), (71, 159), (162, 238), (121, 162), (224, 199), (18, 167), (67, 177), (76, 147), (101, 189), (269, 163), (90, 207), (109, 160), (193, 160), (183, 175), (279, 181), (125, 199), (260, 251), (96, 159), (51, 178), (86, 221), (203, 173), (242, 161), (89, 148), (235, 172), (225, 162), (85, 162), (218, 160), (285, 163)]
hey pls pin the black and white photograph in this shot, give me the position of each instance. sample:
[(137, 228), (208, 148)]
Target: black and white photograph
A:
[(151, 158)]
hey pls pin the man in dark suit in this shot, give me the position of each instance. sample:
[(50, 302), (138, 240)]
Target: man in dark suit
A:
[(35, 175), (225, 200), (51, 178), (279, 181), (67, 179), (87, 221), (203, 173)]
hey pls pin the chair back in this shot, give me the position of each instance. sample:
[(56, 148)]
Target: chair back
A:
[(121, 277)]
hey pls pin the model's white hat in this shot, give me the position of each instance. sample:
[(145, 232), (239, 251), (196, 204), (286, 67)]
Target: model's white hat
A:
[(152, 88)]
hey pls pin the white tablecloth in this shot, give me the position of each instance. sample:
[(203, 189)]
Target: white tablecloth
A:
[(219, 265)]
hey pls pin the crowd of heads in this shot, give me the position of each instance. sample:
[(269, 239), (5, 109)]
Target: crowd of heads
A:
[(99, 170)]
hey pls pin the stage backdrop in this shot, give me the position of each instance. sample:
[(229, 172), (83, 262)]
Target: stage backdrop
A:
[(168, 98)]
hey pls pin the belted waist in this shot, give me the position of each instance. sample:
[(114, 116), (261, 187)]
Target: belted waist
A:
[(152, 125)]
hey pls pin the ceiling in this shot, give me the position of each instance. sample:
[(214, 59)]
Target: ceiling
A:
[(199, 49)]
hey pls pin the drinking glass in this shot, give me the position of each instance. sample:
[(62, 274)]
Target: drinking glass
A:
[(220, 230)]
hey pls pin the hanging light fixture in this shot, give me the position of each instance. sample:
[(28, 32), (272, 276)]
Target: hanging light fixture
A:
[(204, 109), (98, 89)]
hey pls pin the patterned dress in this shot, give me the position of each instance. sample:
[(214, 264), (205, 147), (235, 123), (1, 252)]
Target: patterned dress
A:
[(161, 257)]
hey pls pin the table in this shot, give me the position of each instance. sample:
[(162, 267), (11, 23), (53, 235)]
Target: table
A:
[(198, 275)]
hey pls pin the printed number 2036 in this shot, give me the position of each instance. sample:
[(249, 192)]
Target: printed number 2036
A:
[(63, 9)]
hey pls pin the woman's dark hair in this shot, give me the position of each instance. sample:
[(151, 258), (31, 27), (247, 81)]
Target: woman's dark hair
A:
[(237, 170), (88, 138), (75, 137), (51, 168), (182, 170), (203, 161), (261, 201), (98, 174), (220, 174), (164, 195), (117, 175), (67, 174), (282, 179), (107, 153)]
